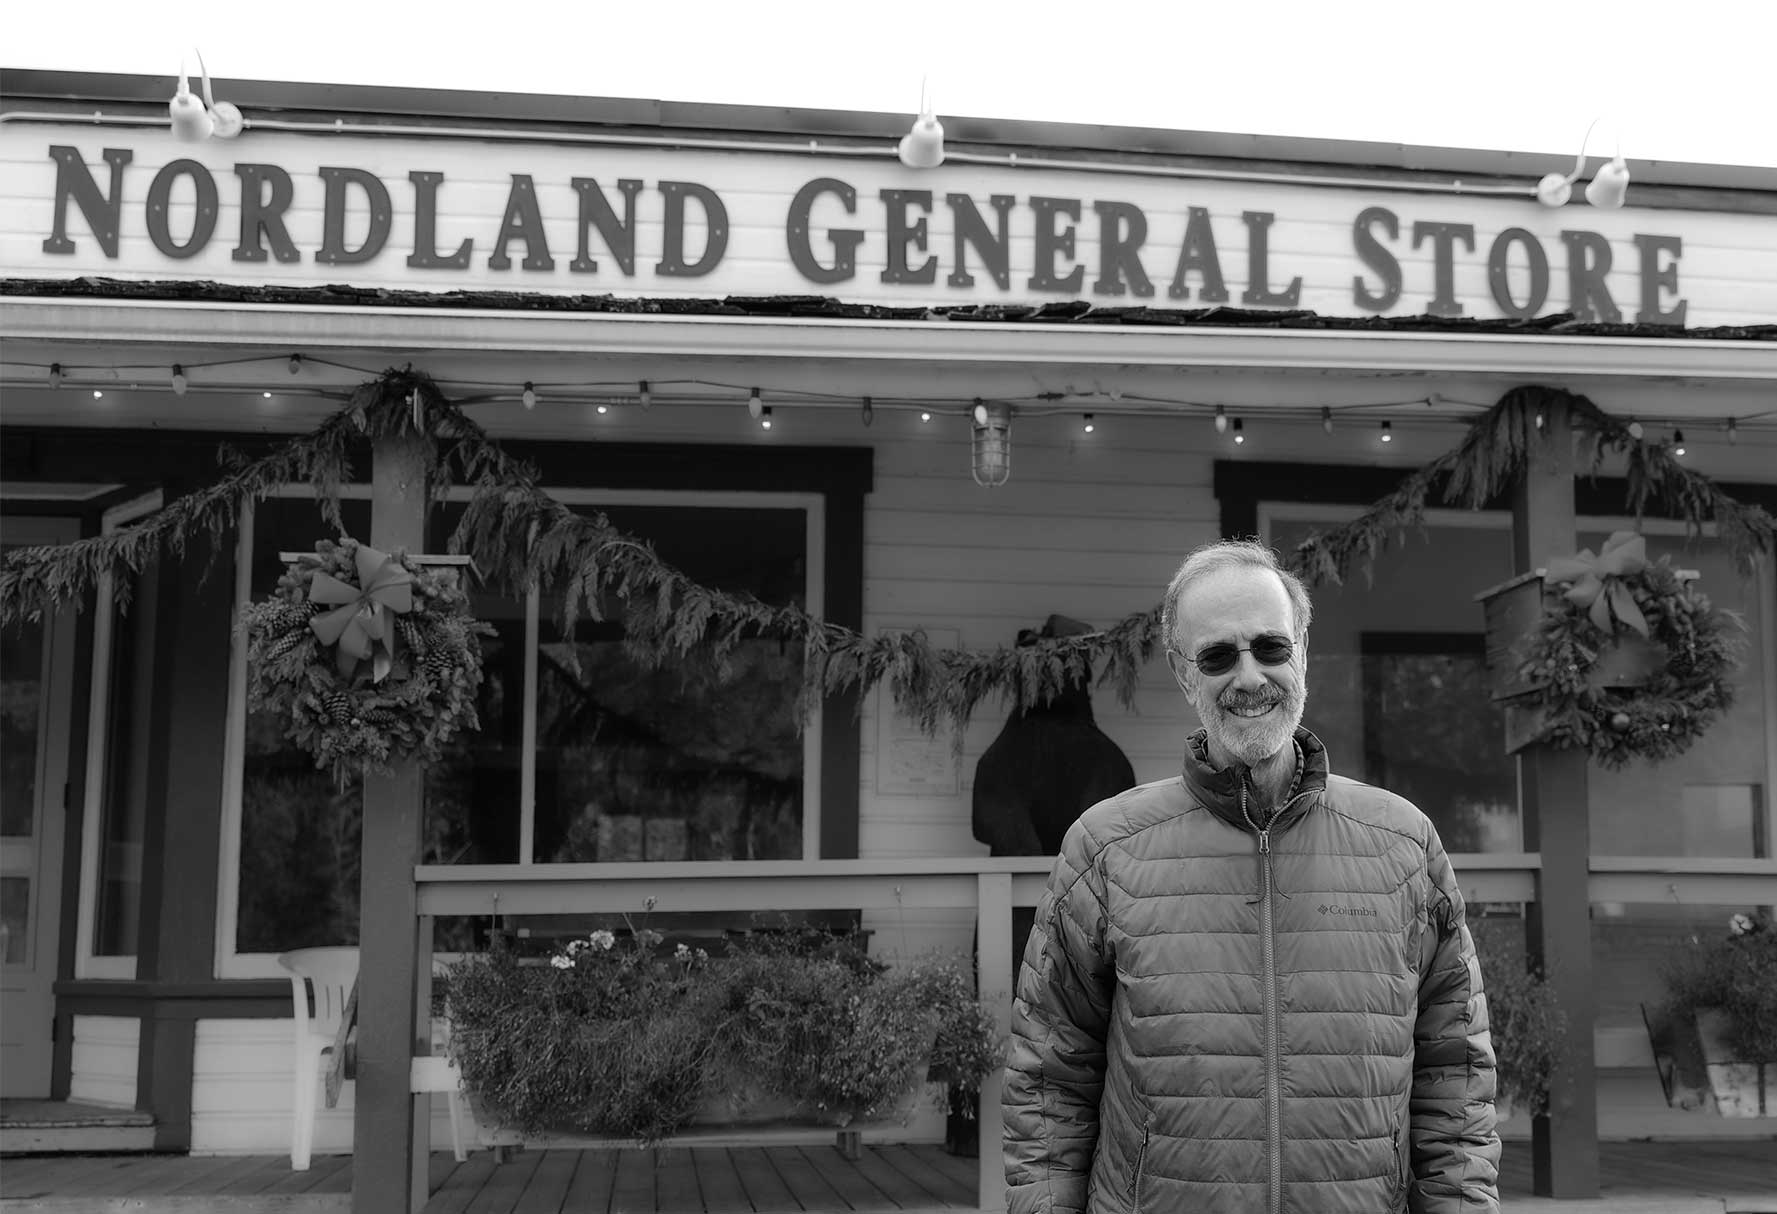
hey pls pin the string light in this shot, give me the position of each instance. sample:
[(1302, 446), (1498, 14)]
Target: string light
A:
[(1635, 431), (1387, 432), (295, 364), (1539, 419), (1677, 441), (869, 411), (1733, 433), (267, 395), (645, 395), (1221, 420), (925, 415), (180, 383), (98, 395), (765, 417), (603, 407), (1326, 419), (1238, 436), (530, 395), (55, 375), (755, 406), (1088, 426)]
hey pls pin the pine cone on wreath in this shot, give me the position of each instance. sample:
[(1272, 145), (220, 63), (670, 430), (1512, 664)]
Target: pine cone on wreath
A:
[(339, 706), (438, 665), (411, 636), (284, 644)]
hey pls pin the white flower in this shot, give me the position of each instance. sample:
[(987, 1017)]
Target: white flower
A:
[(602, 939), (574, 946), (1741, 925), (562, 963), (682, 952)]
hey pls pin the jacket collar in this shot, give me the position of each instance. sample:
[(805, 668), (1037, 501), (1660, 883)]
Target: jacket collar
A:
[(1218, 789)]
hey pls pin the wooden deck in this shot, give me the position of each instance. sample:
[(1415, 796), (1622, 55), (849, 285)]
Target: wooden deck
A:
[(727, 1180)]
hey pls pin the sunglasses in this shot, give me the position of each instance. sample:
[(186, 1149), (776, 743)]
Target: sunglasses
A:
[(1272, 649)]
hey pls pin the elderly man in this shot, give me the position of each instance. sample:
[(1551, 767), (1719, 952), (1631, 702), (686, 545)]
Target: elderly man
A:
[(1250, 987)]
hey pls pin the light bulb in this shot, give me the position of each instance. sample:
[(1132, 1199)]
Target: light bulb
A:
[(1238, 436), (869, 411), (925, 415), (1088, 425), (754, 404), (530, 396), (179, 381), (1635, 431), (1387, 432), (267, 395), (765, 416), (1221, 420), (1733, 433), (603, 408), (1326, 419), (295, 363), (55, 375), (1677, 442), (98, 395), (647, 396), (1539, 419)]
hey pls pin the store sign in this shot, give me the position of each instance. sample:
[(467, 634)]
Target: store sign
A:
[(443, 215)]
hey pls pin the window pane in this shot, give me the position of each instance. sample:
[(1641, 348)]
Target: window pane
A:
[(124, 810), (15, 920), (299, 830), (21, 701), (1396, 687), (676, 762)]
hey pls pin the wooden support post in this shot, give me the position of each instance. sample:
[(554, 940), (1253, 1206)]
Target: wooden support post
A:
[(993, 969), (383, 1167), (1564, 1141)]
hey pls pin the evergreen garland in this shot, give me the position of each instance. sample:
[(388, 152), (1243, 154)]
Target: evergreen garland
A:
[(518, 534), (347, 718), (1655, 720)]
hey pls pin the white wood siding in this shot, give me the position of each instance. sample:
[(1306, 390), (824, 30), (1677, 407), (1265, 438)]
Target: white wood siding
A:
[(241, 1092), (104, 1060)]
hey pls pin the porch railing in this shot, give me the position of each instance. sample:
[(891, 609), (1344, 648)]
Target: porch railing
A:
[(987, 887)]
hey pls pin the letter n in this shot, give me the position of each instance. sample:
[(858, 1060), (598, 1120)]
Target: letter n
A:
[(73, 180)]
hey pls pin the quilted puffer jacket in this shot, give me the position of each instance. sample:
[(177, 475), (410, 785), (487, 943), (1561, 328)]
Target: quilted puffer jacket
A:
[(1214, 1019)]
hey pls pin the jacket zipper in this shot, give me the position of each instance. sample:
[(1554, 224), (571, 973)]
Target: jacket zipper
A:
[(1141, 1159), (1268, 957), (1403, 1178)]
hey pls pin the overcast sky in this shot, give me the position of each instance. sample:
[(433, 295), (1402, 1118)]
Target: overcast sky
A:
[(1691, 81)]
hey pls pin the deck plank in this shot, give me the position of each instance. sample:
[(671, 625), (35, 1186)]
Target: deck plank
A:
[(765, 1188), (548, 1187), (505, 1186), (267, 1170), (594, 1178), (633, 1192), (675, 1182), (899, 1188), (807, 1185), (723, 1192), (912, 1162), (461, 1186), (853, 1187), (222, 1170)]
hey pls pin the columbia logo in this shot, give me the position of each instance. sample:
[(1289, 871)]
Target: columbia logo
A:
[(1348, 910)]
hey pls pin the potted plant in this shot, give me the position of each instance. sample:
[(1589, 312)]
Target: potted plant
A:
[(1525, 1021), (1725, 989), (635, 1038)]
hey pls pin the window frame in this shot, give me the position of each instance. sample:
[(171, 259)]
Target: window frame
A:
[(233, 964)]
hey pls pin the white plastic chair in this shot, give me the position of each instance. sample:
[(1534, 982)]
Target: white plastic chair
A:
[(327, 974)]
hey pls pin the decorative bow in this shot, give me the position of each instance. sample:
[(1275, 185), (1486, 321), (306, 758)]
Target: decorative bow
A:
[(1596, 582), (360, 626)]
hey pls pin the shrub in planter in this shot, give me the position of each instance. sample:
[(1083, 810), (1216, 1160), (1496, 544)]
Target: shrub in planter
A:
[(1737, 974), (629, 1039), (1527, 1025)]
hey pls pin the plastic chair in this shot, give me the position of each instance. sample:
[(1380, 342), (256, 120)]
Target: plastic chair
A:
[(327, 974)]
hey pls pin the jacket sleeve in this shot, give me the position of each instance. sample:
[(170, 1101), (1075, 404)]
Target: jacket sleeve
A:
[(1455, 1137), (1056, 1061)]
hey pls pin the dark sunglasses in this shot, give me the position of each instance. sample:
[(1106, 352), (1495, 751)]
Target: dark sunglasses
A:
[(1272, 649)]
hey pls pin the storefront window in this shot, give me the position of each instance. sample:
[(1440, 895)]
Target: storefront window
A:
[(124, 810)]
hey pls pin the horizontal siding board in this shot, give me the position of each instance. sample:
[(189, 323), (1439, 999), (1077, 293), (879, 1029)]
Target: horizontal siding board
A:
[(104, 1060)]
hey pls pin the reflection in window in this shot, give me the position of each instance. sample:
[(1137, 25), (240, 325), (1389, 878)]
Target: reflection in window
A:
[(124, 810), (1432, 735), (21, 703), (678, 761)]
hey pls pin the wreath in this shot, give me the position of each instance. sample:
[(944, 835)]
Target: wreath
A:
[(1591, 604), (369, 657)]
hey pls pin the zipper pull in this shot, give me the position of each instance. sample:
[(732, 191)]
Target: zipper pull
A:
[(1264, 843)]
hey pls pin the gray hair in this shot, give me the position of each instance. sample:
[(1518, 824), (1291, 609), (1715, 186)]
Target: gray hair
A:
[(1232, 554)]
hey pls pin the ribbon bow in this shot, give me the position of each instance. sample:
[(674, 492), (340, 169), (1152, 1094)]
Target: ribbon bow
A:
[(359, 626), (1596, 582)]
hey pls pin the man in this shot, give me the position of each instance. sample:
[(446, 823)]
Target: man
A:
[(1250, 987)]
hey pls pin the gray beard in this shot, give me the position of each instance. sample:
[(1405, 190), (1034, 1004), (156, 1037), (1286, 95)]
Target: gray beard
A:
[(1256, 742)]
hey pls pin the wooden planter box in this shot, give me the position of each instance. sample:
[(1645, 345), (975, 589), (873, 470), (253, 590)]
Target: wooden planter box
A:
[(1742, 1088)]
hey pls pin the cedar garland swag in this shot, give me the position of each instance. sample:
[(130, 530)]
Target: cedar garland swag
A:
[(517, 533)]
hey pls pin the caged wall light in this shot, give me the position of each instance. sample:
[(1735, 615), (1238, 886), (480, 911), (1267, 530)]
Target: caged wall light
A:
[(991, 447)]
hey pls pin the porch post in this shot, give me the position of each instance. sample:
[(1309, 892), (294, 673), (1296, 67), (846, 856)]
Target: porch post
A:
[(388, 918), (993, 969), (1564, 1142)]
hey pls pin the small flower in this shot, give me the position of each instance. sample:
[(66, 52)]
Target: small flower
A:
[(682, 952), (602, 940), (648, 902), (561, 962), (1742, 925)]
